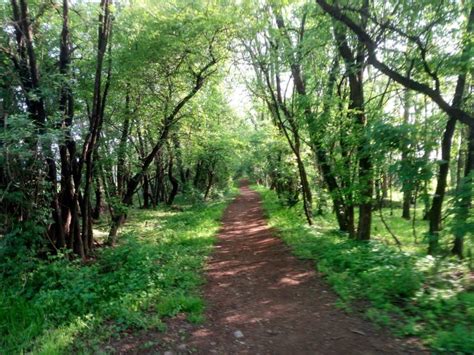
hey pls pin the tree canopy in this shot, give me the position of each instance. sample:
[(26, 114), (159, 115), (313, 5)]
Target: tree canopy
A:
[(356, 112)]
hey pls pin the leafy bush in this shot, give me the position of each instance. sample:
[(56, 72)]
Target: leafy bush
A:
[(154, 272)]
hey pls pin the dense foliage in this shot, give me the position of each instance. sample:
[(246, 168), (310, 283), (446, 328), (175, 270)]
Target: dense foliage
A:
[(153, 273), (356, 113), (373, 99), (90, 120)]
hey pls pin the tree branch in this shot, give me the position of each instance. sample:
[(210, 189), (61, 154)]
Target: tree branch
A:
[(450, 109)]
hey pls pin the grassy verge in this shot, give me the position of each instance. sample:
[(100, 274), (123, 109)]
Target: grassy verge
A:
[(415, 295), (58, 306)]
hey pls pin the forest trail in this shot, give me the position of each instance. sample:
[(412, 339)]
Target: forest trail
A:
[(262, 300), (279, 304)]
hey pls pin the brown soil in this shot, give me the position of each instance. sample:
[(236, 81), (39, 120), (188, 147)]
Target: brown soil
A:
[(257, 289)]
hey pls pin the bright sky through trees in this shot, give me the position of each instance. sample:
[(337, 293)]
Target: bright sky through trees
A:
[(353, 119)]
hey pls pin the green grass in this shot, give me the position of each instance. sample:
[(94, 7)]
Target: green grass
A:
[(57, 306), (413, 294)]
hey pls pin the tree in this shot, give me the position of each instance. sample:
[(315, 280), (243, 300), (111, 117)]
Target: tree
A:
[(454, 111)]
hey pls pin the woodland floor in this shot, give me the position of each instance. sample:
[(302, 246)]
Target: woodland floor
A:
[(262, 300)]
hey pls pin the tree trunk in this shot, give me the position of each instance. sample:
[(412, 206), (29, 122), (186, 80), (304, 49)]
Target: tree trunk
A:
[(197, 174), (95, 121), (407, 189), (146, 192), (122, 149), (347, 178), (210, 180), (179, 160), (465, 200), (70, 174), (305, 189), (461, 162), (435, 215), (355, 67), (173, 180), (28, 71), (438, 198), (339, 206), (303, 102), (365, 207), (98, 200)]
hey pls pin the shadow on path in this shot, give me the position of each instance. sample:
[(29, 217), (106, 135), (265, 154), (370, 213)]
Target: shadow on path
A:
[(256, 287), (262, 300)]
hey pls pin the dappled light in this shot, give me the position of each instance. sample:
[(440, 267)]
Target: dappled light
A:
[(256, 287), (236, 177)]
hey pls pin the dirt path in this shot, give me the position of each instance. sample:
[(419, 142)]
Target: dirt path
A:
[(277, 302), (262, 300)]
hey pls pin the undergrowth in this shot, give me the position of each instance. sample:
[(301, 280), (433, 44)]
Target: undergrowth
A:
[(56, 306), (413, 294)]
